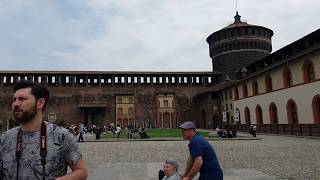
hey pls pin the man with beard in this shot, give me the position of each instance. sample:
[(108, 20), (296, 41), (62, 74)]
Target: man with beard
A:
[(37, 149)]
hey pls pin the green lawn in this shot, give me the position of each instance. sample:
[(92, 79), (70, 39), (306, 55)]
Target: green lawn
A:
[(155, 133), (123, 134)]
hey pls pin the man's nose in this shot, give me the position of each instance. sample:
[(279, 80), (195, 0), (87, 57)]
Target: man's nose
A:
[(15, 103)]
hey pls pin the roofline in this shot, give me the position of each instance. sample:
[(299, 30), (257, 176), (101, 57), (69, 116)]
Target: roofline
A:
[(106, 72), (237, 27)]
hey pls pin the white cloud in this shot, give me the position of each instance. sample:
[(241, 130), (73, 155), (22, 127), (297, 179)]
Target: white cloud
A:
[(166, 35)]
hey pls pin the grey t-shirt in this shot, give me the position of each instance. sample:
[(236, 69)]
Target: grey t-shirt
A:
[(62, 151), (175, 176)]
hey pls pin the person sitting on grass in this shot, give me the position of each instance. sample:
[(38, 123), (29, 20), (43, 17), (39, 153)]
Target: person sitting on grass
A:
[(143, 134)]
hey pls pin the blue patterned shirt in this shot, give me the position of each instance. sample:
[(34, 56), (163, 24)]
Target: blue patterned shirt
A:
[(62, 151)]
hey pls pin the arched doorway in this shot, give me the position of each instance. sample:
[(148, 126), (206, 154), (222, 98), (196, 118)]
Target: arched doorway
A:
[(166, 120), (203, 117), (93, 115), (119, 122), (292, 112), (125, 123), (247, 115), (316, 109), (187, 116), (259, 116), (132, 122), (215, 119), (273, 111)]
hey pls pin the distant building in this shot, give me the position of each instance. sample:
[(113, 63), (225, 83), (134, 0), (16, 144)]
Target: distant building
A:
[(280, 92)]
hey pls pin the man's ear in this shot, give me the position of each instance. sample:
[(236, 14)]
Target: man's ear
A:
[(40, 103)]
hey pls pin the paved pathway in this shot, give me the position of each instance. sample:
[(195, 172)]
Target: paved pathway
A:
[(270, 158), (148, 171)]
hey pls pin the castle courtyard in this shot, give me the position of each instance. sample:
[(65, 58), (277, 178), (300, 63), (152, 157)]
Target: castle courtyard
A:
[(270, 157)]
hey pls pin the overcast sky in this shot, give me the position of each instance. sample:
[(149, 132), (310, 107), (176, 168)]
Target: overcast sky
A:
[(135, 35)]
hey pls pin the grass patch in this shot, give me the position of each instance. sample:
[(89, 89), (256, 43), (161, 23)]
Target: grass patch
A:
[(156, 133), (123, 134)]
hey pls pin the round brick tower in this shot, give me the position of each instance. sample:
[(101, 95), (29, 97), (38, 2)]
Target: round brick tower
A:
[(238, 45)]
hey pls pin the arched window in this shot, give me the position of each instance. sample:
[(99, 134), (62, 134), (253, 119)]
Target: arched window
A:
[(255, 88), (273, 113), (119, 122), (166, 103), (119, 100), (259, 116), (204, 119), (316, 109), (131, 122), (245, 91), (308, 71), (230, 94), (292, 112), (125, 123), (120, 111), (130, 111), (247, 115), (130, 100), (287, 78), (236, 93), (166, 120), (268, 83)]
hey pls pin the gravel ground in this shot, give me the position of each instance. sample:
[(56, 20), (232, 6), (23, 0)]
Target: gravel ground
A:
[(279, 156)]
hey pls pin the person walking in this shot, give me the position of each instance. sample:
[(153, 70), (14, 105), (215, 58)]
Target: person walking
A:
[(98, 131), (251, 129), (254, 130), (81, 131), (202, 157), (118, 131), (37, 149)]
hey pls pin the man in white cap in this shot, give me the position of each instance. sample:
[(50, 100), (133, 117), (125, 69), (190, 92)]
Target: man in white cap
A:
[(202, 157)]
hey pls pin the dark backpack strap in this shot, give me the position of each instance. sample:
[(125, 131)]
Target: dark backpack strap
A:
[(43, 143), (18, 151), (43, 146)]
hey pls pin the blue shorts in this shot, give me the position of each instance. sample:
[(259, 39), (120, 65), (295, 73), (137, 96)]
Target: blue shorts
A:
[(218, 175)]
